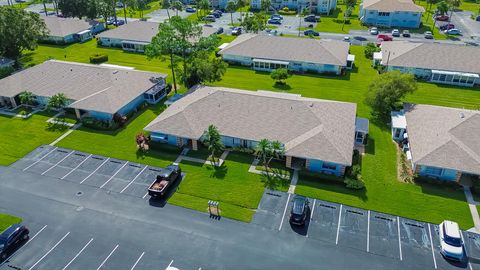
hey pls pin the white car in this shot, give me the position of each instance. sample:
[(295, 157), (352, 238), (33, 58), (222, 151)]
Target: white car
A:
[(451, 242), (374, 31), (395, 33)]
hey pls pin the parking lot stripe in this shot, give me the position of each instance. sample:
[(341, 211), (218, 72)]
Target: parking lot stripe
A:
[(133, 180), (78, 254), (284, 212), (47, 170), (29, 240), (368, 232), (138, 260), (106, 259), (111, 177), (40, 159), (78, 166), (431, 245), (48, 252), (313, 209), (145, 195), (399, 239), (95, 170), (170, 264), (466, 254), (338, 226)]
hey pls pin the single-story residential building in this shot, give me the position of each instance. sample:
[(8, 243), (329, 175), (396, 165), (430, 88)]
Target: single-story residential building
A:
[(315, 6), (391, 13), (136, 35), (70, 30), (95, 91), (6, 62), (266, 53), (441, 142), (435, 62), (318, 135)]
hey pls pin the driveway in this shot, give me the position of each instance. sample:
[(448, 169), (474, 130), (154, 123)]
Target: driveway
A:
[(469, 27)]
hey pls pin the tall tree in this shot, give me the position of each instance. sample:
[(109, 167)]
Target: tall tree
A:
[(105, 9), (124, 7), (387, 91), (20, 30), (178, 6), (45, 7), (265, 5), (231, 8), (454, 4), (167, 5), (203, 5), (347, 14), (202, 67), (164, 44), (429, 9), (77, 8), (254, 23), (213, 141), (263, 151), (442, 7)]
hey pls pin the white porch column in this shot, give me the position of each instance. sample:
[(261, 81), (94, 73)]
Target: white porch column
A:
[(77, 113), (194, 145), (288, 162), (12, 100)]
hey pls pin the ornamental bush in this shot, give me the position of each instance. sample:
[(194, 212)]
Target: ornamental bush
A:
[(98, 58)]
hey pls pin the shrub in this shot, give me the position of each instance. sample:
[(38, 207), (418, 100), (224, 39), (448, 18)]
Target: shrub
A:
[(354, 183), (286, 11), (98, 58), (370, 49), (4, 72)]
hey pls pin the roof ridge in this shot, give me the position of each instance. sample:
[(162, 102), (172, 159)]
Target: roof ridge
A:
[(91, 95), (322, 44), (248, 36), (465, 148), (302, 138)]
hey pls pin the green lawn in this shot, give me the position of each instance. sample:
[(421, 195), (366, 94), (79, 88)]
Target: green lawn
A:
[(20, 136), (334, 22), (6, 220), (136, 14)]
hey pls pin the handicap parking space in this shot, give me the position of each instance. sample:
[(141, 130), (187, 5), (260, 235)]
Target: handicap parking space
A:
[(353, 227), (66, 165), (383, 235), (416, 244), (270, 210), (47, 161), (324, 221), (32, 157)]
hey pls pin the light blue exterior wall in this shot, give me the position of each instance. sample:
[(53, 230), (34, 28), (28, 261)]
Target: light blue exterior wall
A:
[(324, 167), (132, 105), (100, 115), (316, 6), (111, 42), (404, 19), (99, 27), (440, 173), (162, 137)]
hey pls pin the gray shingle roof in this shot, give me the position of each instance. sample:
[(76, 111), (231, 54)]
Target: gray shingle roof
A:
[(309, 128), (91, 87), (142, 31), (431, 56), (289, 49), (392, 5), (61, 27), (444, 137)]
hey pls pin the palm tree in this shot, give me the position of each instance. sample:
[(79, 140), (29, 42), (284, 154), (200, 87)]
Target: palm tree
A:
[(203, 5), (231, 7), (453, 5), (57, 102), (27, 98), (167, 5), (213, 141), (178, 6), (263, 150), (277, 149), (124, 4), (45, 8)]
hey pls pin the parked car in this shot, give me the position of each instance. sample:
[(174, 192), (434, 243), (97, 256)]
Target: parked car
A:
[(311, 32), (373, 31), (311, 18), (406, 33), (11, 238), (119, 22), (165, 180), (428, 35), (447, 26), (220, 30), (395, 33), (346, 38), (236, 31), (119, 5), (277, 16), (442, 18), (218, 11), (310, 26), (379, 42), (191, 10), (453, 31), (274, 21), (216, 15), (385, 37), (209, 18), (451, 243), (478, 18), (300, 210)]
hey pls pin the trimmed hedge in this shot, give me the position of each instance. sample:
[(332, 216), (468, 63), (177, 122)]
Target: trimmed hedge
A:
[(98, 58)]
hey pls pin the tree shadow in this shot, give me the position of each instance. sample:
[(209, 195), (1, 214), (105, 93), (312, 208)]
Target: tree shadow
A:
[(56, 127), (370, 146), (275, 181), (218, 172), (282, 86)]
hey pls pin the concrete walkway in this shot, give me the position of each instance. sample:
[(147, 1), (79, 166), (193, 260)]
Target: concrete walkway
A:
[(472, 205), (293, 183), (253, 169), (66, 134), (183, 156)]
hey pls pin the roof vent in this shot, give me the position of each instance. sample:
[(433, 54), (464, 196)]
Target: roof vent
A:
[(115, 71), (462, 115), (311, 104), (71, 69)]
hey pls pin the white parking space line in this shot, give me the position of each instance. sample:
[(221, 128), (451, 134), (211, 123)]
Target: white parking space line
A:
[(145, 195), (368, 232), (138, 260), (111, 177), (55, 165), (338, 227), (284, 212), (463, 240), (133, 180), (311, 214), (399, 239), (95, 170), (28, 167), (78, 254), (170, 264), (78, 166), (431, 245), (109, 255), (29, 240), (48, 252)]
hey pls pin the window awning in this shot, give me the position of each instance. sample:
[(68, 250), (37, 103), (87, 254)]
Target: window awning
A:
[(83, 32), (134, 42), (270, 61), (351, 57), (377, 56), (472, 75)]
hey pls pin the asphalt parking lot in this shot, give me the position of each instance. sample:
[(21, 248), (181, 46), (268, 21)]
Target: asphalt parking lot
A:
[(372, 232), (114, 175)]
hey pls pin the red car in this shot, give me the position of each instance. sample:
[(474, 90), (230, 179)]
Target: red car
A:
[(442, 18), (385, 37)]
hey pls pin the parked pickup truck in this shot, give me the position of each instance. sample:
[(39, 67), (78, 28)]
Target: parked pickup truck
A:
[(165, 179)]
